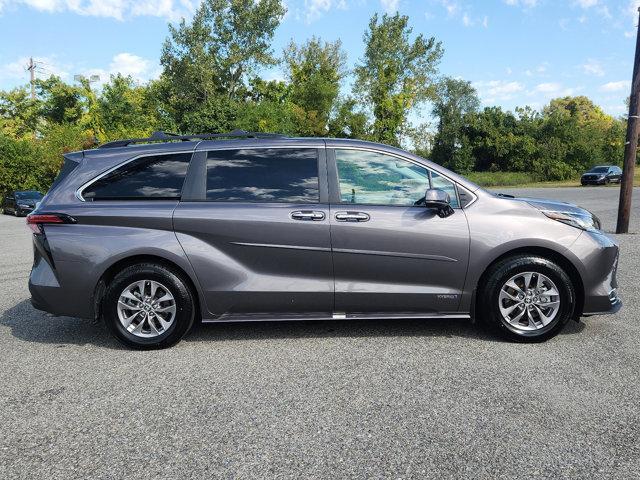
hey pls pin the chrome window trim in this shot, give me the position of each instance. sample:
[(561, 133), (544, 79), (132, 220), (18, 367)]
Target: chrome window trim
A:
[(419, 164), (79, 191), (84, 186)]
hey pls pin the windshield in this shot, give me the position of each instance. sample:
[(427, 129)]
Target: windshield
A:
[(599, 170), (29, 195)]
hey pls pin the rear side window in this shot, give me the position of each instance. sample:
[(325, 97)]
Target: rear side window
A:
[(263, 175), (146, 178)]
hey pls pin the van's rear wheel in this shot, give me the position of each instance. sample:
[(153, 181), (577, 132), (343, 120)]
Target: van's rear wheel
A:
[(148, 306), (527, 298)]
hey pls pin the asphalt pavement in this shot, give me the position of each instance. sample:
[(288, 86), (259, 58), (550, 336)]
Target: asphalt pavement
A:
[(377, 399)]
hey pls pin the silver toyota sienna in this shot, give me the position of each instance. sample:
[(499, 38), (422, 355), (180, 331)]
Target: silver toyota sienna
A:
[(153, 234)]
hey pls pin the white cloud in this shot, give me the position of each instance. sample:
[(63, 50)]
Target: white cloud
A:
[(622, 85), (316, 8), (139, 68), (16, 72), (452, 7), (522, 3), (390, 6), (550, 87), (118, 9), (593, 67), (498, 90), (463, 12), (586, 3)]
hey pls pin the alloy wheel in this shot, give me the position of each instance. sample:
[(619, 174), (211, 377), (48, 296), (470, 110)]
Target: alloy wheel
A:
[(146, 308), (529, 301)]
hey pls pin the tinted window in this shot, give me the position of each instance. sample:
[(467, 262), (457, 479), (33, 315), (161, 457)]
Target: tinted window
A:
[(599, 170), (263, 175), (29, 195), (153, 177), (371, 178)]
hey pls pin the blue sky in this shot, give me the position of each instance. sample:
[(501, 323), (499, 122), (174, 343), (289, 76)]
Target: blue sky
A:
[(516, 52)]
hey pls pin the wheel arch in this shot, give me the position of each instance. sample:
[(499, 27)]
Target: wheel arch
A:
[(561, 260), (109, 274)]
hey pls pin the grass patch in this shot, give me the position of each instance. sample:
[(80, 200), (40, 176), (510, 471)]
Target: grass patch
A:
[(523, 179), (501, 179)]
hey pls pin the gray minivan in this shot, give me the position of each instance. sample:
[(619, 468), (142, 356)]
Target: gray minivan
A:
[(154, 234)]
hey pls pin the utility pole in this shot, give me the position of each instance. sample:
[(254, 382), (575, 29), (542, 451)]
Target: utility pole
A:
[(631, 145), (32, 70)]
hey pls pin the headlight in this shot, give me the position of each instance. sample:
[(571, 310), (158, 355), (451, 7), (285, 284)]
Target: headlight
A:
[(585, 221), (24, 206)]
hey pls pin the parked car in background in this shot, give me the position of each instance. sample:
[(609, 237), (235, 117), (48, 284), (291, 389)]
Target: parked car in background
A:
[(249, 227), (602, 175), (21, 203)]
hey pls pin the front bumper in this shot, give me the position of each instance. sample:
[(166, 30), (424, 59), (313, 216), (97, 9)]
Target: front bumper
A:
[(24, 210), (595, 181), (598, 256)]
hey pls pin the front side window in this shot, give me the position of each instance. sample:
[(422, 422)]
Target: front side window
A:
[(145, 178), (370, 178), (276, 175)]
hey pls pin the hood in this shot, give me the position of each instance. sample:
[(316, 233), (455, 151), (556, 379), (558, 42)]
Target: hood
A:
[(554, 205), (555, 209), (27, 201)]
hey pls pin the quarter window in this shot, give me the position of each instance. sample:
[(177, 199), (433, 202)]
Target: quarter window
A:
[(371, 178), (152, 177), (263, 175)]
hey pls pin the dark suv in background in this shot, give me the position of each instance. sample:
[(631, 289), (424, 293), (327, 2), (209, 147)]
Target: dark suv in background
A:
[(602, 175), (20, 203), (152, 234)]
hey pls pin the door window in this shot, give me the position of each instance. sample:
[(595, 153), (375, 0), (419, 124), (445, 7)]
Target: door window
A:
[(273, 175), (146, 178), (370, 178)]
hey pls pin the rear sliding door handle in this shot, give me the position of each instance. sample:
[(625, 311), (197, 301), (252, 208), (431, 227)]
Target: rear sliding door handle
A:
[(310, 215), (352, 217)]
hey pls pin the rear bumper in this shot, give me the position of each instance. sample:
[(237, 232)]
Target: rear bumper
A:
[(48, 292)]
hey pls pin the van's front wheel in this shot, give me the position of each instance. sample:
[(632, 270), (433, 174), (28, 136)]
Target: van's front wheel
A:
[(527, 298), (148, 306)]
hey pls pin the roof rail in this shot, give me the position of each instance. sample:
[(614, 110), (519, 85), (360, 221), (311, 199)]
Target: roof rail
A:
[(167, 137)]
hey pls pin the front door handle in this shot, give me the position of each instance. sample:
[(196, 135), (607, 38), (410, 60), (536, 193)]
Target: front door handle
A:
[(352, 217), (309, 215)]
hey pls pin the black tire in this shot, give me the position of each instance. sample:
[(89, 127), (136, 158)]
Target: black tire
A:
[(501, 272), (178, 287)]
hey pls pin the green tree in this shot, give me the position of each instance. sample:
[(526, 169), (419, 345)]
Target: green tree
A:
[(125, 109), (395, 74), (207, 63), (61, 102), (349, 121), (455, 99), (19, 113), (268, 108), (315, 71)]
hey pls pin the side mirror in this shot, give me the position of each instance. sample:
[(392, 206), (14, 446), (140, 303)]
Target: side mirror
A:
[(436, 198), (440, 200)]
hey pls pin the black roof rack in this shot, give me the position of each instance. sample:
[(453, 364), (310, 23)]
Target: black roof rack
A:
[(167, 137)]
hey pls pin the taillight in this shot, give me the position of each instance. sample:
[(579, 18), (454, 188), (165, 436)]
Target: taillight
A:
[(35, 220)]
